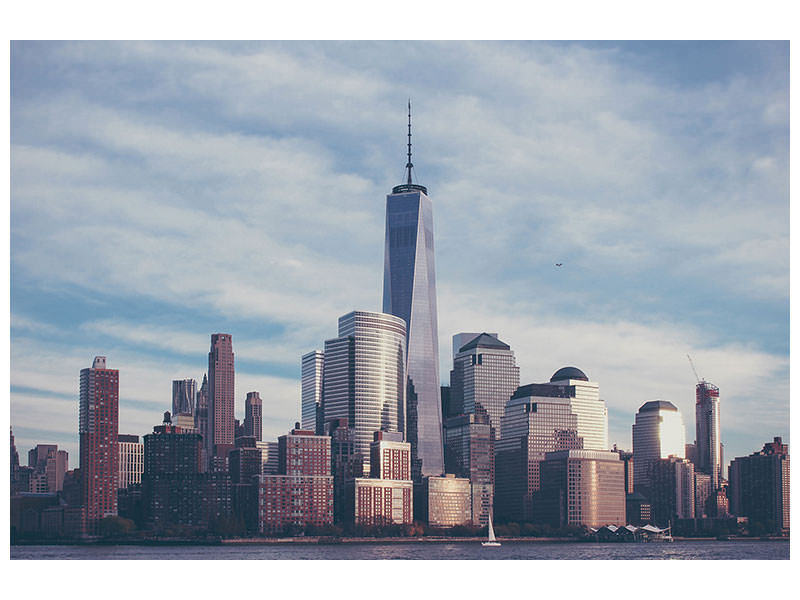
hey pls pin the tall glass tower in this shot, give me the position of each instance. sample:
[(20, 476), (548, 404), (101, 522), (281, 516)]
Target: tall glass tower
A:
[(709, 443), (409, 292)]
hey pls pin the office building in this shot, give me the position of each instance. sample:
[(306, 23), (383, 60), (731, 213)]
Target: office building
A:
[(311, 390), (444, 501), (172, 484), (759, 487), (671, 490), (269, 457), (581, 487), (364, 378), (627, 461), (409, 292), (484, 374), (346, 465), (252, 416), (702, 492), (98, 427), (533, 424), (302, 493), (707, 424), (221, 429), (245, 460), (131, 460), (48, 464), (469, 453), (184, 393), (658, 432), (586, 404)]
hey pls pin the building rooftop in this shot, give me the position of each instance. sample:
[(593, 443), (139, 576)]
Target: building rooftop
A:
[(484, 340), (569, 373), (657, 405)]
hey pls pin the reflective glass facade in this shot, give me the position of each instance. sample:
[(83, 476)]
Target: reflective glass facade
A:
[(409, 292), (657, 433), (183, 396), (364, 376), (311, 396)]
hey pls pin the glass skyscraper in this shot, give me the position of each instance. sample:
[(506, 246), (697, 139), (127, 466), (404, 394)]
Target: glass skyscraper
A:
[(364, 376), (657, 433), (311, 396), (409, 292)]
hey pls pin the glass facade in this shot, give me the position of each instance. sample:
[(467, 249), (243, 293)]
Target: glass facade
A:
[(183, 396), (311, 397), (658, 432), (484, 374), (409, 292), (364, 376)]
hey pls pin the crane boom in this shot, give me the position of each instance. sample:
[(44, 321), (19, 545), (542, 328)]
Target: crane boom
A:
[(693, 369)]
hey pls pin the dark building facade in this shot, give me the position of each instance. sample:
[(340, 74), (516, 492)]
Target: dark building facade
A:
[(172, 481), (759, 487), (252, 415)]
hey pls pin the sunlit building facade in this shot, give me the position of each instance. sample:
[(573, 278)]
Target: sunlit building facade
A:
[(707, 424), (131, 460), (658, 432), (364, 376), (311, 386)]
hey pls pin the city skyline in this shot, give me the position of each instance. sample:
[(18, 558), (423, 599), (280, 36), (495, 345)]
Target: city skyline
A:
[(664, 198)]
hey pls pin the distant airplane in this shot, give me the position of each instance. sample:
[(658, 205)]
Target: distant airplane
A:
[(559, 264)]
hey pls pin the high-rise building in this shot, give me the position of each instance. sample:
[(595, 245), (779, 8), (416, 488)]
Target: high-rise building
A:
[(311, 395), (131, 460), (709, 441), (301, 493), (201, 420), (98, 427), (586, 404), (484, 373), (386, 497), (469, 453), (658, 432), (581, 487), (702, 492), (252, 415), (671, 490), (172, 487), (533, 424), (48, 464), (364, 377), (759, 487), (409, 292), (221, 430), (184, 392)]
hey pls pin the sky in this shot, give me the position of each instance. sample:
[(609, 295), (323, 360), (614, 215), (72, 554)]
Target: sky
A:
[(162, 192)]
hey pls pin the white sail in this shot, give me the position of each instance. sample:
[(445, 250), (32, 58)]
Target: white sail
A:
[(491, 531)]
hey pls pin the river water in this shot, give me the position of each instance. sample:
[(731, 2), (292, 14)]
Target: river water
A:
[(682, 550)]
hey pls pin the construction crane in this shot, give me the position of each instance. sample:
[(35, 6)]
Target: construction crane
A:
[(693, 369)]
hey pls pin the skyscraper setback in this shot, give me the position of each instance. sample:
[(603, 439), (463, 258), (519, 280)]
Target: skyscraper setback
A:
[(409, 292), (98, 428), (220, 398)]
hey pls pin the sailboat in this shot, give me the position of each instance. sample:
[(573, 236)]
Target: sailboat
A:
[(492, 541)]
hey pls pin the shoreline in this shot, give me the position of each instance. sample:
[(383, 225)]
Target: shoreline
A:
[(322, 540)]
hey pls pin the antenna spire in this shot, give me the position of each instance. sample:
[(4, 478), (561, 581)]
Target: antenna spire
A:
[(409, 165), (408, 186)]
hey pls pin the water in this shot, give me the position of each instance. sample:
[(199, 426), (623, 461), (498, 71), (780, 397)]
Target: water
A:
[(707, 550)]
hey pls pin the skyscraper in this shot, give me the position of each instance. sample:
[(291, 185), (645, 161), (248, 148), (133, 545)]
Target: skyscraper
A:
[(131, 460), (364, 376), (183, 396), (409, 292), (657, 433), (484, 373), (220, 398), (312, 364), (201, 421), (98, 427), (709, 442), (252, 415)]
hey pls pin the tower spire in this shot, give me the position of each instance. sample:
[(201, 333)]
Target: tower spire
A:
[(408, 186), (409, 164)]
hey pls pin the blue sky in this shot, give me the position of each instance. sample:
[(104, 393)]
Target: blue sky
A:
[(161, 192)]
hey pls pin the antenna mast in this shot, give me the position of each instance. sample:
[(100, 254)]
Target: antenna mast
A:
[(409, 164)]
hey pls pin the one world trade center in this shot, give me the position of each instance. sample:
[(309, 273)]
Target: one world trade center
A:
[(409, 292)]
